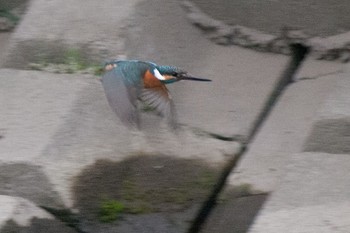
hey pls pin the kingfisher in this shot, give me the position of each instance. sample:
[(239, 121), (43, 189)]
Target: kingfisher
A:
[(126, 82)]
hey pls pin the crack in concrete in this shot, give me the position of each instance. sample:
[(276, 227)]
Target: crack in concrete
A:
[(317, 76), (331, 48), (299, 53), (204, 133)]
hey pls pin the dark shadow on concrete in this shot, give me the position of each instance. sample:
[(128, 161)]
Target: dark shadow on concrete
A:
[(37, 226), (155, 182), (235, 215), (299, 52), (330, 136), (29, 182), (154, 189)]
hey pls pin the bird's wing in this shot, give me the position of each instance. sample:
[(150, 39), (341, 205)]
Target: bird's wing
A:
[(158, 98), (121, 98)]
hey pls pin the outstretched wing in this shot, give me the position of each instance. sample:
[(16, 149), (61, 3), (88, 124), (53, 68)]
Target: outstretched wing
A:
[(121, 98), (156, 95)]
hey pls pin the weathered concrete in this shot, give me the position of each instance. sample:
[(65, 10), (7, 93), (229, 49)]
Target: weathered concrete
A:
[(235, 214), (19, 210), (311, 69), (4, 41), (72, 126), (71, 129), (313, 16), (33, 108), (45, 35), (20, 215), (313, 197), (8, 5), (284, 133), (330, 131), (263, 166), (30, 182), (59, 124), (293, 206), (242, 79), (246, 34)]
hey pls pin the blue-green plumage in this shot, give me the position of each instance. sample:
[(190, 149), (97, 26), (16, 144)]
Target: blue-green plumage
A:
[(127, 81)]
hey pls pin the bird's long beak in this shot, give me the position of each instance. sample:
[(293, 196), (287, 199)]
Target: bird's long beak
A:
[(195, 79)]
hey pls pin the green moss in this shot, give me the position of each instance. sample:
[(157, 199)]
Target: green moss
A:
[(71, 63), (7, 14), (74, 60), (139, 207), (144, 184), (110, 210), (140, 199)]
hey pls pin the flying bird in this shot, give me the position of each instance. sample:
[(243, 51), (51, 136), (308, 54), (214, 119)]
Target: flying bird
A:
[(128, 81)]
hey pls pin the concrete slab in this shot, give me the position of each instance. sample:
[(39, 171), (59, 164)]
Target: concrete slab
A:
[(30, 182), (284, 133), (61, 125), (235, 215), (4, 41), (52, 120), (331, 126), (8, 5), (93, 29), (242, 79), (313, 17), (20, 215), (315, 69), (33, 106), (20, 211), (314, 197)]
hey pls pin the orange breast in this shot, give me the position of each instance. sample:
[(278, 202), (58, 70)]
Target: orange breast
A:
[(150, 81)]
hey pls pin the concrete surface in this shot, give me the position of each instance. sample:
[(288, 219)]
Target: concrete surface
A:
[(313, 16), (283, 134), (235, 215), (33, 110), (92, 28), (242, 79), (8, 5), (313, 197), (331, 47), (311, 193), (22, 216), (20, 211), (55, 125), (4, 41), (55, 128), (285, 130), (330, 131), (69, 117)]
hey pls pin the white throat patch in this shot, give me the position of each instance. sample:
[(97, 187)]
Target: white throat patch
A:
[(158, 75)]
